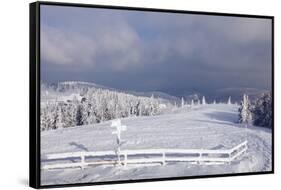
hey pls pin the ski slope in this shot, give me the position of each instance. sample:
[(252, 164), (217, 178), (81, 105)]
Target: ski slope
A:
[(201, 127)]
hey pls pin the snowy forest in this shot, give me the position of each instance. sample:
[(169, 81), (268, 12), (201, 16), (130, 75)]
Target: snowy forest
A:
[(95, 106)]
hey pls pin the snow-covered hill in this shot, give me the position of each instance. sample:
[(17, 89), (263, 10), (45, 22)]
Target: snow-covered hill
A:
[(77, 85), (62, 90), (204, 126)]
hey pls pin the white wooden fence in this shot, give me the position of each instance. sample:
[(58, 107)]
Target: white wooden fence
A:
[(161, 156)]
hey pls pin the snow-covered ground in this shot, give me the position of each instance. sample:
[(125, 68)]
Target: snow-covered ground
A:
[(204, 126)]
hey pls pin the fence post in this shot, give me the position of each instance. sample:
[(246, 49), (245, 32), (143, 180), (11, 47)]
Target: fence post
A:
[(163, 158), (118, 155), (125, 159), (82, 161), (229, 158), (200, 157)]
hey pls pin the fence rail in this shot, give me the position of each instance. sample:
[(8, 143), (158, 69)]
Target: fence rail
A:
[(161, 156)]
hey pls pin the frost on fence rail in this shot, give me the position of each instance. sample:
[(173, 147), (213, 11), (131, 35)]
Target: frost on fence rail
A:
[(147, 156)]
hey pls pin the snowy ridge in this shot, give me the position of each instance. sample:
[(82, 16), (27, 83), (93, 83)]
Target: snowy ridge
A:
[(68, 85), (52, 91)]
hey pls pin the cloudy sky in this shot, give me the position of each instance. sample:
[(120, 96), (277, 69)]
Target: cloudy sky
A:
[(145, 51)]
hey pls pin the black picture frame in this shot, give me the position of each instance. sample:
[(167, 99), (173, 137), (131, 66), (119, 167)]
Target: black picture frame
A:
[(34, 91)]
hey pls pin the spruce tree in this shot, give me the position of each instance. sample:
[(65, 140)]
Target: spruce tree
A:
[(262, 111), (203, 100), (229, 100), (245, 115), (79, 115)]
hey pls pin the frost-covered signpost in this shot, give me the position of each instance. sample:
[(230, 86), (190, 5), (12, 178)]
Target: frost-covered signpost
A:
[(119, 128)]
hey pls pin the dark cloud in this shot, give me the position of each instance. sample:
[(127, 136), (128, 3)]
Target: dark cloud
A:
[(144, 51)]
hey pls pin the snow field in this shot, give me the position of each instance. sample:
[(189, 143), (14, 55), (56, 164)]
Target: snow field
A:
[(205, 126)]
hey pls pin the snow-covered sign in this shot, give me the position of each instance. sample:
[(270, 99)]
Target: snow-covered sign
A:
[(119, 127)]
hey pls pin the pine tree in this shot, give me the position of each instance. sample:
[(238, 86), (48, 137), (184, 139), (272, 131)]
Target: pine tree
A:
[(44, 119), (54, 118), (79, 115), (182, 102), (71, 115), (203, 100), (151, 111), (60, 117), (229, 100), (245, 115), (262, 111), (140, 110)]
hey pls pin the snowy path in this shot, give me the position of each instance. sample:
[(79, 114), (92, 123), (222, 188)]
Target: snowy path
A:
[(208, 127)]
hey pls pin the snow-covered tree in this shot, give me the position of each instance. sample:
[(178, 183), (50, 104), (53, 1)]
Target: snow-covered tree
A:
[(192, 103), (203, 100), (245, 115), (70, 117), (54, 117), (151, 106), (79, 115), (182, 102), (262, 110), (45, 119), (214, 102), (60, 117), (229, 100)]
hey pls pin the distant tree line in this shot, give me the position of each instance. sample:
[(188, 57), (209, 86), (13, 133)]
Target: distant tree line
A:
[(96, 106)]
